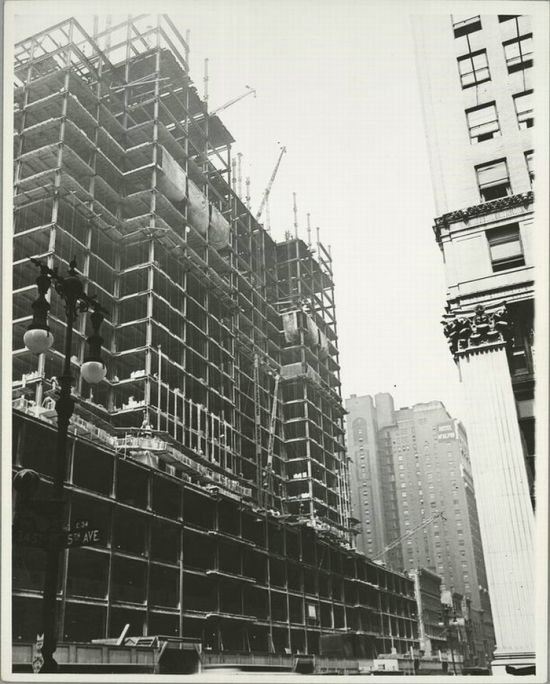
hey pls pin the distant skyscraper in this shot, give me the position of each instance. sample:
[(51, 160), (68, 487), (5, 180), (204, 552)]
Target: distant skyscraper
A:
[(409, 467), (476, 81)]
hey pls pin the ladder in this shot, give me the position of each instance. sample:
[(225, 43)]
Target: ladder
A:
[(257, 424)]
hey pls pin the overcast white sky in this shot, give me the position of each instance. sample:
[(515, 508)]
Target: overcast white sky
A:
[(336, 83)]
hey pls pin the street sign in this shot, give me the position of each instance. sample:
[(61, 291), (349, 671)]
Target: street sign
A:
[(82, 535), (38, 523)]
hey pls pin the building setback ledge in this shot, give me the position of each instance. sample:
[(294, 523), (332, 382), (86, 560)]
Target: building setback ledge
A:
[(466, 214)]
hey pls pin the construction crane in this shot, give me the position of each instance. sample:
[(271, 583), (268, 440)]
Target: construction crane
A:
[(265, 196), (250, 91), (396, 542)]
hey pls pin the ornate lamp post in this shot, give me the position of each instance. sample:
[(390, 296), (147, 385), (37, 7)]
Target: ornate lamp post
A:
[(39, 339), (450, 622)]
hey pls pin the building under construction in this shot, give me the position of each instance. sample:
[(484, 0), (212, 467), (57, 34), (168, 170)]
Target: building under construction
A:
[(218, 469)]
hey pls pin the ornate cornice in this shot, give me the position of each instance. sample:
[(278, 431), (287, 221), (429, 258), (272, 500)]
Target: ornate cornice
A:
[(500, 204), (480, 330)]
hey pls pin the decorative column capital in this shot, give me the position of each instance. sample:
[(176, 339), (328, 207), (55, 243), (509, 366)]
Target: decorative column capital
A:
[(467, 334)]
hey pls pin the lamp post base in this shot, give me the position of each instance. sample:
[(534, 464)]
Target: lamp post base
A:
[(49, 666), (512, 664)]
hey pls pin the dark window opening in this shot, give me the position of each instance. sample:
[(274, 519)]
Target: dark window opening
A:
[(199, 593), (505, 248), (277, 573), (254, 565), (231, 598), (493, 180), (128, 580), (229, 559), (278, 606), (163, 586), (119, 617), (83, 622), (163, 623), (28, 565), (197, 510), (92, 468), (39, 449), (87, 573), (131, 484), (130, 532), (165, 541), (166, 497), (198, 552)]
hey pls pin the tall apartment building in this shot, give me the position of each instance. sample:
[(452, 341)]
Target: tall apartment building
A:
[(417, 461), (476, 78), (212, 455)]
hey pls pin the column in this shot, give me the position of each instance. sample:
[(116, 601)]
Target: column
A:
[(502, 494)]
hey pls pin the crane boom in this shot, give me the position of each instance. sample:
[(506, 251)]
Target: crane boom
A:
[(250, 91), (396, 542), (270, 184)]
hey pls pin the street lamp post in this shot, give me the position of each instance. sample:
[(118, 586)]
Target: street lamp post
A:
[(449, 627), (39, 339)]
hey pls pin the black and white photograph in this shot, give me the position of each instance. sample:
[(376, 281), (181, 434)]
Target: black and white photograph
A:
[(275, 341)]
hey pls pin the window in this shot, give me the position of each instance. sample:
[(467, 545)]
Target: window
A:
[(465, 23), (529, 163), (519, 53), (482, 123), (473, 68), (505, 248), (493, 180), (506, 17), (523, 103)]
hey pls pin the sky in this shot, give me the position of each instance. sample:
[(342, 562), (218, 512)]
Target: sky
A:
[(336, 84)]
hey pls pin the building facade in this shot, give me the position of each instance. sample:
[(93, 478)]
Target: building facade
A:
[(476, 79), (212, 457), (431, 633), (180, 554), (429, 516)]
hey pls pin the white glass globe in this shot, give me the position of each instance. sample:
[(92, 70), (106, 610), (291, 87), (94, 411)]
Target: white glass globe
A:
[(38, 340), (93, 372)]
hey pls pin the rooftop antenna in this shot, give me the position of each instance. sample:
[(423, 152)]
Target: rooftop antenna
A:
[(247, 202), (239, 174), (318, 241), (295, 209), (308, 230), (205, 79)]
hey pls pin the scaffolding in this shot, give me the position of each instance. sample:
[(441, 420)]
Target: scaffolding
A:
[(119, 164)]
